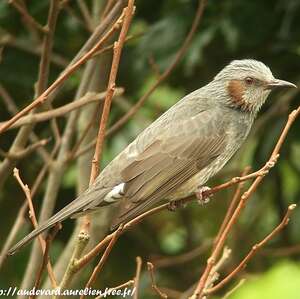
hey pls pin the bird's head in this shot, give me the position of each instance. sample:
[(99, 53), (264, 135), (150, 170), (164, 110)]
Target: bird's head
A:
[(248, 83)]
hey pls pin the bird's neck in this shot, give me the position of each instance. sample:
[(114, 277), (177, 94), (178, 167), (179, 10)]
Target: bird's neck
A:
[(231, 95)]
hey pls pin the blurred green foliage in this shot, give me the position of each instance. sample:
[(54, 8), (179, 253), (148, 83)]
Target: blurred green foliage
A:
[(266, 30), (281, 281)]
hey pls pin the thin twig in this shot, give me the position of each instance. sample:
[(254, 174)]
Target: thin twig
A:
[(12, 108), (154, 66), (20, 217), (26, 151), (166, 73), (253, 251), (219, 245), (214, 273), (70, 70), (24, 133), (102, 261), (156, 289), (44, 66), (232, 206), (8, 101), (118, 46), (281, 251), (87, 99), (109, 47), (230, 292), (27, 17), (139, 263), (85, 14), (45, 261), (134, 109), (91, 254), (162, 262), (59, 165), (81, 242), (124, 19), (11, 41), (27, 193), (107, 8), (89, 125)]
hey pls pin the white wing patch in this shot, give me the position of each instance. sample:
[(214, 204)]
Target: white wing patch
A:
[(115, 194)]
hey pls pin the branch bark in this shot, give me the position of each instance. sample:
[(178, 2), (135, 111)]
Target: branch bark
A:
[(32, 216), (41, 99), (253, 251), (127, 13), (88, 98), (199, 292)]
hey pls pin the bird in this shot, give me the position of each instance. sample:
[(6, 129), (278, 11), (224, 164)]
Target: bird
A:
[(180, 151)]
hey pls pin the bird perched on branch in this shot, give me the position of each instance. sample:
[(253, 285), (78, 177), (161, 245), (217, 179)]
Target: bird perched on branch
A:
[(181, 150)]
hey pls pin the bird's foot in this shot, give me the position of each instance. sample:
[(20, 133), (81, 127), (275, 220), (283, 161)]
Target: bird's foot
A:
[(176, 204), (202, 195)]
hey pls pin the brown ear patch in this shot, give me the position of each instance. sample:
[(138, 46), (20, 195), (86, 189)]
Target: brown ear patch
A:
[(236, 91)]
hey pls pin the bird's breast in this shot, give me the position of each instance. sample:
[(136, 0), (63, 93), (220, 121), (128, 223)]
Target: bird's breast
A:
[(237, 133)]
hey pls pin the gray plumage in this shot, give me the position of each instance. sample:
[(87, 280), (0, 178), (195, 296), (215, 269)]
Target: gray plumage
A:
[(181, 150)]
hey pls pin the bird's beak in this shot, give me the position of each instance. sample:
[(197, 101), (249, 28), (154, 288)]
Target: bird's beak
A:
[(279, 83)]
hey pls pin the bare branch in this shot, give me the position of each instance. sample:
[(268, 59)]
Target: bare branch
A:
[(80, 245), (27, 17), (162, 262), (9, 40), (124, 19), (220, 243), (153, 283), (127, 13), (166, 73), (58, 166), (70, 70), (118, 46), (253, 251), (232, 205), (20, 217), (229, 293), (8, 101), (85, 14), (45, 261), (102, 261), (24, 152), (88, 98), (32, 216), (281, 251), (139, 263), (134, 109)]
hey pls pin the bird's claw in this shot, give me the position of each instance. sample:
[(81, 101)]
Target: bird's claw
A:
[(202, 196)]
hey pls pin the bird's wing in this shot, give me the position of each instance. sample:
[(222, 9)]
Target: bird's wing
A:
[(164, 166)]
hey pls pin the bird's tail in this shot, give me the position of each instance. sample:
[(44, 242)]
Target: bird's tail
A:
[(76, 206)]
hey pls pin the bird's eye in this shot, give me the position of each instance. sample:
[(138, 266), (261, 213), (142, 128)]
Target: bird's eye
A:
[(249, 80)]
